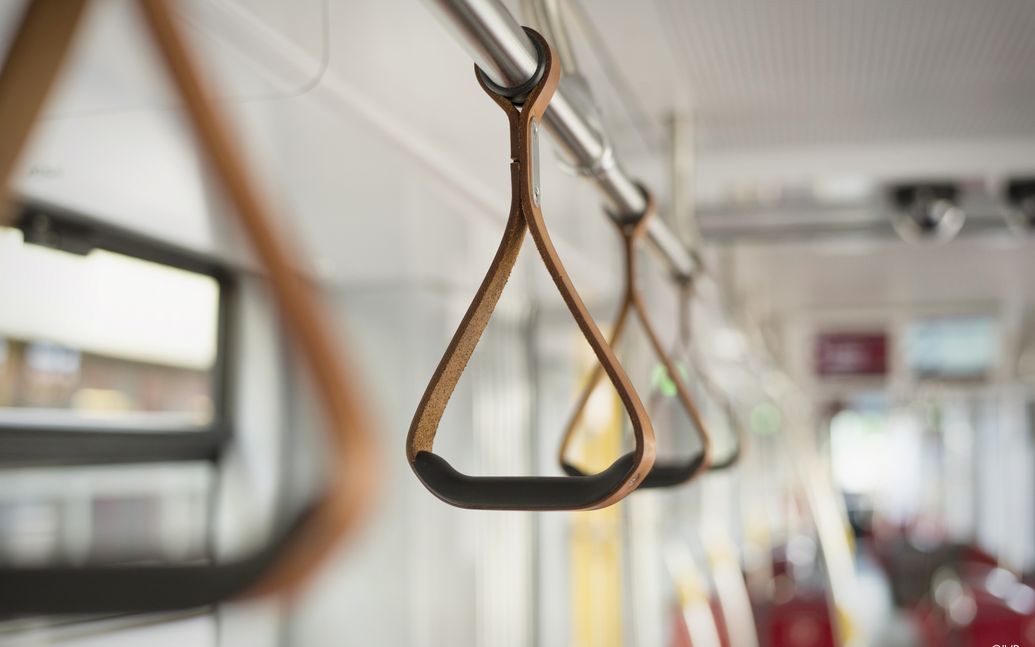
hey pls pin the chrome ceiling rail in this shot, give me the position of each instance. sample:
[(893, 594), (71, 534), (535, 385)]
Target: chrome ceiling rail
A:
[(499, 46)]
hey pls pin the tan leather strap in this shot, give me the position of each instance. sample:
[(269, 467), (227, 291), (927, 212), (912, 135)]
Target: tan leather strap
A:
[(684, 345), (32, 63), (525, 214), (349, 424), (632, 302), (27, 75)]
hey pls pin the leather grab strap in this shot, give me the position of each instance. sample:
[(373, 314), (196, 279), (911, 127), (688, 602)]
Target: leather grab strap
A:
[(32, 63), (522, 492), (684, 343), (667, 473), (295, 552), (737, 430)]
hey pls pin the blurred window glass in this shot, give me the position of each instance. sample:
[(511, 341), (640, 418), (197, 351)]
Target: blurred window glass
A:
[(957, 347), (104, 340), (106, 514)]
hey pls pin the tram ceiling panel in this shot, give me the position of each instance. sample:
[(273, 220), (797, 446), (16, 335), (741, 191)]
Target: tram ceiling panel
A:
[(768, 74)]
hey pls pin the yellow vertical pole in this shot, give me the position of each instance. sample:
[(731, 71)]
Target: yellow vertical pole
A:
[(595, 543)]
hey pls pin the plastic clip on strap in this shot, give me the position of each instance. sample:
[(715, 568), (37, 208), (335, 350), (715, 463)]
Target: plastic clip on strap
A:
[(295, 552), (663, 474), (524, 492)]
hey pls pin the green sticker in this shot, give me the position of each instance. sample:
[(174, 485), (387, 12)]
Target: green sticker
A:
[(765, 419), (662, 383)]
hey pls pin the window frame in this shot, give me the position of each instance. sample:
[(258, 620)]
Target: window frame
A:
[(35, 445)]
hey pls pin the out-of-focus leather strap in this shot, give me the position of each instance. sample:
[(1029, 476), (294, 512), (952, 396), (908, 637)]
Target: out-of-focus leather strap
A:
[(666, 473), (28, 72), (32, 63), (349, 424), (685, 348)]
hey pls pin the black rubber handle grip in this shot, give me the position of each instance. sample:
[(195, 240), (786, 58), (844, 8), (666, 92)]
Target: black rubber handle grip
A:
[(726, 463), (139, 589), (520, 492), (129, 589)]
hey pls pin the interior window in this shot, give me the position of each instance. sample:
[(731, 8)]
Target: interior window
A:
[(103, 339)]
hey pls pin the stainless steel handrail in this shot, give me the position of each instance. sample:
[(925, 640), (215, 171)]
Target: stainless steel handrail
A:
[(499, 46)]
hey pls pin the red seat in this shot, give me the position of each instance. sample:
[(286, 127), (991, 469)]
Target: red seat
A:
[(802, 621), (985, 619)]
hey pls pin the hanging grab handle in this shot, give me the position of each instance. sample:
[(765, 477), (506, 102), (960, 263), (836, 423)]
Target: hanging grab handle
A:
[(686, 290), (736, 429), (663, 474), (293, 553), (524, 113)]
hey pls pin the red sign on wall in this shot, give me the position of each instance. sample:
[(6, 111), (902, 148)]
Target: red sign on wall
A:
[(851, 354)]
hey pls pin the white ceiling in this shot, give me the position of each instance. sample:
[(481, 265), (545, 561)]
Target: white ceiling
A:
[(787, 92), (982, 271), (393, 143), (780, 93), (790, 98), (760, 74)]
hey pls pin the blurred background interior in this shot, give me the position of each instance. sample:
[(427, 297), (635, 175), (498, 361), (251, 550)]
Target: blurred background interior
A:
[(850, 184)]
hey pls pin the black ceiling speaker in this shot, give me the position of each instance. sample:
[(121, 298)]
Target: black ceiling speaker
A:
[(1019, 196), (926, 212)]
